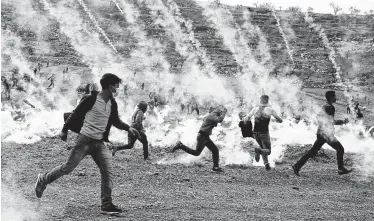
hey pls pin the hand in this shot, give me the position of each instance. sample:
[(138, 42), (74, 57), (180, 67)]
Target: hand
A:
[(134, 132), (345, 121), (63, 136)]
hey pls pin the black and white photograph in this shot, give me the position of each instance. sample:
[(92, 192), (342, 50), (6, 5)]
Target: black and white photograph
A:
[(187, 110)]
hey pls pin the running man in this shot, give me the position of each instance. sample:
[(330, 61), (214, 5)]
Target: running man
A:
[(92, 119), (326, 134), (6, 86), (262, 115), (192, 105), (137, 123), (203, 139), (52, 84)]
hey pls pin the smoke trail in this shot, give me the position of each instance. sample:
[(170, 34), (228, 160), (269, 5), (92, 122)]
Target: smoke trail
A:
[(263, 45), (149, 52), (321, 33), (97, 26), (94, 53), (200, 52), (185, 44), (283, 35), (223, 21)]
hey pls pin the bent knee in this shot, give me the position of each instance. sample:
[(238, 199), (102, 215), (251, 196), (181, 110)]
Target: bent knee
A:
[(66, 169)]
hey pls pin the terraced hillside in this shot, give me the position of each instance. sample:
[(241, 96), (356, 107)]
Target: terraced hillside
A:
[(351, 37)]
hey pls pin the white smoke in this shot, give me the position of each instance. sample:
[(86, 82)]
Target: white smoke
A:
[(289, 51), (167, 125)]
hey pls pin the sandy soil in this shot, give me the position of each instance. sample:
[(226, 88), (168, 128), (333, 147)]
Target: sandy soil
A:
[(148, 191)]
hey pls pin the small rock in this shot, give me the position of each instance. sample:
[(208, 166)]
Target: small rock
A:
[(186, 179), (82, 173), (295, 188), (157, 173)]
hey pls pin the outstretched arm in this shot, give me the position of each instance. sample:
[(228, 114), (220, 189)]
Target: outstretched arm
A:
[(276, 116)]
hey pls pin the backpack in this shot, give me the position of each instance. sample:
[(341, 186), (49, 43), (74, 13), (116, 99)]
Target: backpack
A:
[(246, 128)]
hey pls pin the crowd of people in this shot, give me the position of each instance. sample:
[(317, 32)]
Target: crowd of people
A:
[(97, 111)]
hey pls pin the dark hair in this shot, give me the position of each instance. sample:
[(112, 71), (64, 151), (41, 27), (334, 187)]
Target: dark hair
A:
[(329, 95), (87, 88), (264, 98), (109, 79)]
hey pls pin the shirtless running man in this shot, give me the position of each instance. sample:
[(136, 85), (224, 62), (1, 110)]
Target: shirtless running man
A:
[(262, 115)]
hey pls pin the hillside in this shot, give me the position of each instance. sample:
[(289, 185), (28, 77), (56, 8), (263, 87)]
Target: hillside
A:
[(310, 54)]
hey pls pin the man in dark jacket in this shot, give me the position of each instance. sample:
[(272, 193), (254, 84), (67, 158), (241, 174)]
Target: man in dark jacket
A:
[(137, 123), (203, 140), (92, 119), (326, 134)]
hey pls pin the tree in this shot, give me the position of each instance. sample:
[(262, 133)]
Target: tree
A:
[(336, 8), (255, 4), (294, 9), (267, 6), (310, 10), (354, 10)]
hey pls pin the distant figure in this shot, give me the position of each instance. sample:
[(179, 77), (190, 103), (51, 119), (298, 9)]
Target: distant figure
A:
[(357, 109), (142, 86), (348, 109), (6, 84), (125, 87), (326, 134), (52, 79), (35, 71), (47, 63), (15, 77), (192, 105), (359, 114)]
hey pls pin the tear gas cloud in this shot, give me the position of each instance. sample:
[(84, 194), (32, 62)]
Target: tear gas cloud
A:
[(167, 124)]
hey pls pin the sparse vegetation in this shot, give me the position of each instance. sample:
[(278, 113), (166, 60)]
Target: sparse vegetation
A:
[(336, 8)]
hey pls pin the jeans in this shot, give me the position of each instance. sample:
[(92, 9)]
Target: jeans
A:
[(99, 153), (132, 139), (263, 139), (321, 140), (204, 141)]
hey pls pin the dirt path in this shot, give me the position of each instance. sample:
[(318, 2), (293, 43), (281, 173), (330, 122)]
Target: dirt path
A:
[(178, 192)]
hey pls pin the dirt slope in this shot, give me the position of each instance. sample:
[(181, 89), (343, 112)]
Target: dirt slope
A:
[(177, 192)]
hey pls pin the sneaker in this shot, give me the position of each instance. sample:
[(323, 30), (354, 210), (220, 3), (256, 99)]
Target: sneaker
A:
[(257, 154), (344, 171), (217, 169), (177, 146), (39, 186), (114, 150), (267, 166), (295, 170), (110, 208)]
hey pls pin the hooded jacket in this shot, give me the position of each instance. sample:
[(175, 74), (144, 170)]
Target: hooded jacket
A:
[(75, 120), (212, 120)]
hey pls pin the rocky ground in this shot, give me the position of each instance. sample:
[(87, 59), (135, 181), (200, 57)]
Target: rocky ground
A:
[(148, 191)]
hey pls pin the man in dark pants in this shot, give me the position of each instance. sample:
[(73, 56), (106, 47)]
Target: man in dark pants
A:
[(137, 123), (262, 115), (326, 134), (92, 119), (203, 139)]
